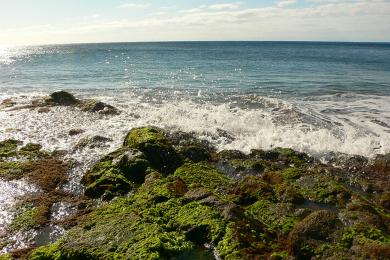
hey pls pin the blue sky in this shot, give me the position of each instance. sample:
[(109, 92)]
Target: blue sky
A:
[(68, 21)]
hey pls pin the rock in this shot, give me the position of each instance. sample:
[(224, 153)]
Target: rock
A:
[(250, 189), (231, 154), (8, 148), (157, 149), (98, 106), (116, 173), (93, 142), (43, 110), (195, 153), (77, 131), (61, 98), (311, 232), (8, 102), (201, 175)]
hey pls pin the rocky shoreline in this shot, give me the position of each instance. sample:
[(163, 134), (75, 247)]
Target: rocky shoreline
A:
[(169, 195)]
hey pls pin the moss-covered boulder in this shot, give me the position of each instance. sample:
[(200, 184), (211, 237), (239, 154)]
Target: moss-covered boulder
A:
[(61, 98), (202, 175), (156, 147), (116, 173), (313, 231), (96, 106), (8, 148)]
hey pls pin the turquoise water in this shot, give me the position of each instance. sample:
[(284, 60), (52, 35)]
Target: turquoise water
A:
[(311, 96)]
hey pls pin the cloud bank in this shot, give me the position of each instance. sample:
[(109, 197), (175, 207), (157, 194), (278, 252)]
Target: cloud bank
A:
[(324, 20)]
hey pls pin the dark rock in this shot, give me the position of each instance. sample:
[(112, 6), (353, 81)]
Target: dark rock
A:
[(311, 232), (231, 154), (98, 106), (62, 98), (8, 102), (43, 110), (73, 132), (93, 142), (157, 149), (195, 153)]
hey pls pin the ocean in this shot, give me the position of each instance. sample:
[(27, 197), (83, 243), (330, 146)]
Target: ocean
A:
[(316, 97), (321, 98)]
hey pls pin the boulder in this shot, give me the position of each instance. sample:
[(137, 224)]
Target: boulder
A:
[(61, 98), (158, 150)]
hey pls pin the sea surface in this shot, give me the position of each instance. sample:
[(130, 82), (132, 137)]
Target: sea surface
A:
[(312, 96), (318, 97)]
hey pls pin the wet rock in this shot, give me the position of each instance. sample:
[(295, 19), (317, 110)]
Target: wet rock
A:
[(116, 173), (8, 148), (76, 131), (43, 110), (8, 102), (311, 232), (93, 142), (201, 175), (196, 194), (156, 147), (250, 189), (194, 153), (231, 154), (99, 107), (61, 98)]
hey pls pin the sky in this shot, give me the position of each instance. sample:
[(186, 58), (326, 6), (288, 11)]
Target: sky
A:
[(27, 22)]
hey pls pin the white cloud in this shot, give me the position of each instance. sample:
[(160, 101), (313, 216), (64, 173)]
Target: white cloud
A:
[(285, 3), (133, 6), (345, 21), (226, 6)]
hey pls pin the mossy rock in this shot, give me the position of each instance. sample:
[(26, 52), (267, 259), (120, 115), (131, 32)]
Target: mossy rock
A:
[(28, 218), (248, 164), (292, 173), (61, 98), (286, 155), (5, 257), (8, 148), (251, 189), (142, 226), (202, 175), (194, 153), (246, 239), (11, 170), (227, 155), (110, 184), (98, 106), (313, 231), (278, 217), (156, 147), (288, 193), (322, 189), (116, 173)]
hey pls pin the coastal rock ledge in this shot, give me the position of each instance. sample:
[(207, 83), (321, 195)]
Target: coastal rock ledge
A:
[(171, 196)]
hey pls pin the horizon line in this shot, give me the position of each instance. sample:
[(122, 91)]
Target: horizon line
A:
[(192, 41)]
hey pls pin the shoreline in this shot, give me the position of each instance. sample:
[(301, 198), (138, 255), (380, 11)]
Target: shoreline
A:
[(179, 191)]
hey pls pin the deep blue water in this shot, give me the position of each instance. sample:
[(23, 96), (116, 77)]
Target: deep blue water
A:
[(268, 68)]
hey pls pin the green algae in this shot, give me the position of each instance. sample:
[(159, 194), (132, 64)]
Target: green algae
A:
[(5, 257), (248, 164), (276, 216), (11, 170), (8, 148), (323, 190), (201, 174), (292, 173), (156, 147), (26, 220)]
